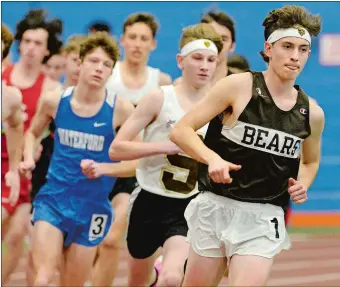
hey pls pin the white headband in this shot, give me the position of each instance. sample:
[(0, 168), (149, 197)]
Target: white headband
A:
[(200, 44), (301, 33)]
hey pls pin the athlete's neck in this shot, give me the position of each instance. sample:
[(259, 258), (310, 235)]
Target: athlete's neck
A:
[(221, 72), (28, 71), (136, 70), (85, 94), (278, 87), (194, 94), (69, 82)]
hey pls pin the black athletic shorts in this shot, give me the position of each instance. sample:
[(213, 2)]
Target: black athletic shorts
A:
[(123, 185), (152, 220)]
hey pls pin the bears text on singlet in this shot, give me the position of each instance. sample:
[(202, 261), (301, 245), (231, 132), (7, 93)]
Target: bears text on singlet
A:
[(264, 139)]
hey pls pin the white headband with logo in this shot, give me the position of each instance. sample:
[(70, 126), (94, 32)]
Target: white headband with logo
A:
[(200, 44), (278, 34)]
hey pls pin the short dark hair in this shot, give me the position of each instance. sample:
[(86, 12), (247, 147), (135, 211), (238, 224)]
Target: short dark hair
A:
[(239, 62), (145, 18), (36, 19), (290, 16), (221, 18), (100, 26), (102, 40)]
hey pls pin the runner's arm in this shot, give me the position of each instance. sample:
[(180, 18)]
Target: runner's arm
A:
[(123, 148)]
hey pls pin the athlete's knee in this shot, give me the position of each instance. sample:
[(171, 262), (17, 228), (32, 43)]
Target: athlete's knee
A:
[(170, 278), (43, 276), (41, 280), (113, 240), (115, 237), (15, 235)]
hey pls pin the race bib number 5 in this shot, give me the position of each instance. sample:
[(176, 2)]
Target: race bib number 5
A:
[(180, 175)]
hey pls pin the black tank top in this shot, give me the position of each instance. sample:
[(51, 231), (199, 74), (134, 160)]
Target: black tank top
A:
[(266, 141)]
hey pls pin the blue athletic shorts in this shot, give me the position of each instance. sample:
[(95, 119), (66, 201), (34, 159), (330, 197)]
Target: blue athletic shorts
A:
[(81, 219)]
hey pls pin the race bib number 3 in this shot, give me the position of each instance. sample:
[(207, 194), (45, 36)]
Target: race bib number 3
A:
[(97, 227)]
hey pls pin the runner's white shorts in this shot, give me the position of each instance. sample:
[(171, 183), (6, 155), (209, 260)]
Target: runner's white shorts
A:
[(221, 227)]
